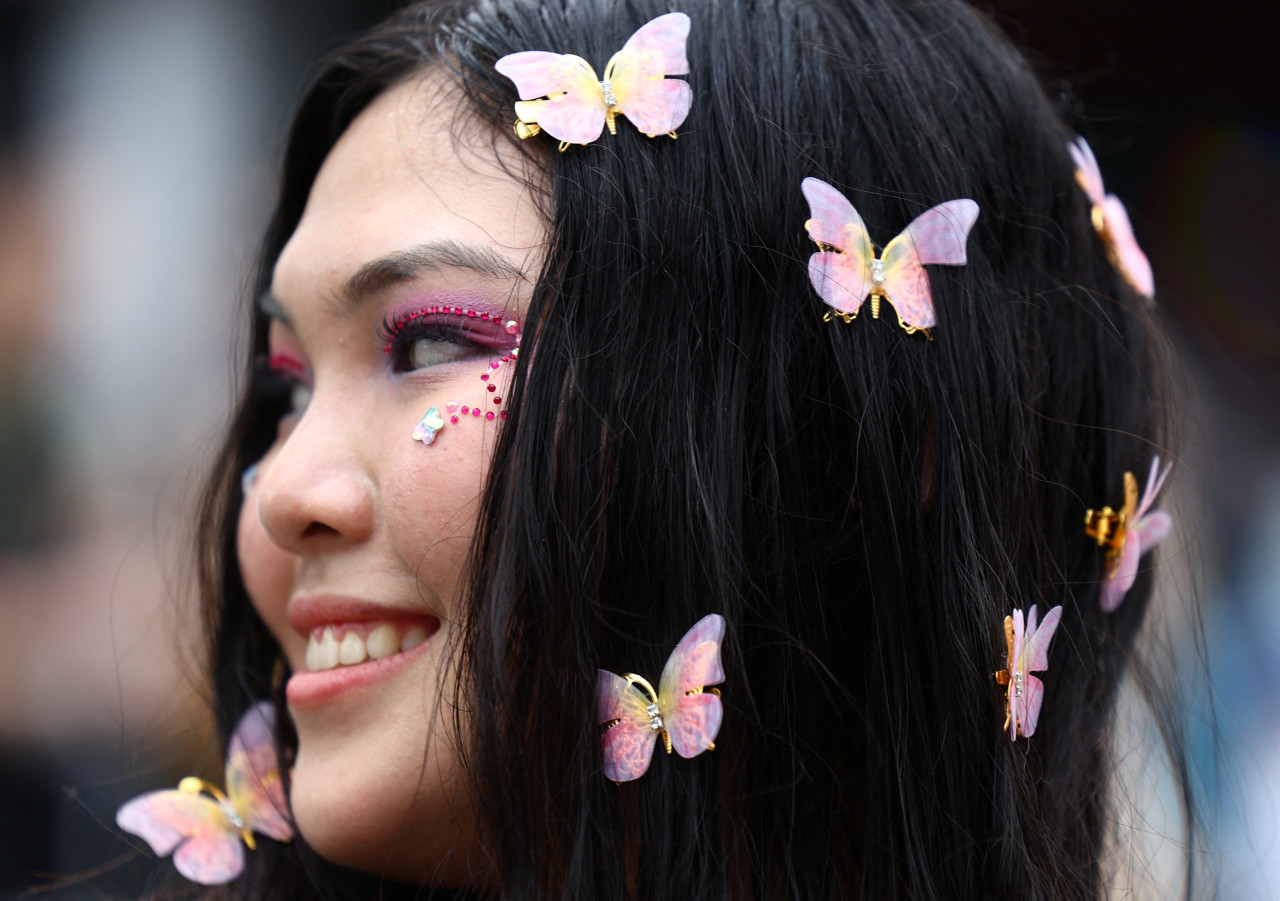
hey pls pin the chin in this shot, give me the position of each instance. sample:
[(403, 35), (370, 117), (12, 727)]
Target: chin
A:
[(390, 810)]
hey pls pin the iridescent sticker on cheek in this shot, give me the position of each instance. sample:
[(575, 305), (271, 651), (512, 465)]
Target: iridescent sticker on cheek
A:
[(425, 431), (490, 408), (249, 477)]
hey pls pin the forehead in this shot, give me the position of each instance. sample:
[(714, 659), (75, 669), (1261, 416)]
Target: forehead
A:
[(411, 170)]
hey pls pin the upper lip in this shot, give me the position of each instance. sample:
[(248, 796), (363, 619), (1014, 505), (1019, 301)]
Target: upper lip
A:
[(316, 610)]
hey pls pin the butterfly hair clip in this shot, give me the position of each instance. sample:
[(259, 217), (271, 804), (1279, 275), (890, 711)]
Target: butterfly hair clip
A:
[(1027, 653), (1111, 222), (206, 830), (846, 271), (684, 711), (561, 94), (1129, 534)]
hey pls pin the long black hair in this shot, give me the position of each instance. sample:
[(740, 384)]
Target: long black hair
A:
[(863, 506)]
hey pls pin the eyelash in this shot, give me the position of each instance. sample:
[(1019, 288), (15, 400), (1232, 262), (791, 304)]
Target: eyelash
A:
[(400, 336)]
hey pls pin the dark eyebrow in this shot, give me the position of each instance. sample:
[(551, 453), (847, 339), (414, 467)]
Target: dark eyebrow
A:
[(406, 265), (409, 264)]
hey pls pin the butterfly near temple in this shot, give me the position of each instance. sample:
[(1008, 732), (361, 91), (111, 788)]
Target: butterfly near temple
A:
[(684, 711), (206, 830), (1027, 652), (562, 95), (846, 270)]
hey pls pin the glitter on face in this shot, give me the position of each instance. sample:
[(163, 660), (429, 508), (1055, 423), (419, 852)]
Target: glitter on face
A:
[(456, 410)]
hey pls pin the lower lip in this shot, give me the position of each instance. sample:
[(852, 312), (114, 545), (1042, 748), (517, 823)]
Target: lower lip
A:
[(308, 690)]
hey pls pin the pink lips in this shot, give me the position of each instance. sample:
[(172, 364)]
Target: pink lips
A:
[(311, 689)]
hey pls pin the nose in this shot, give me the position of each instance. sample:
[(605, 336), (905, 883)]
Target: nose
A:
[(316, 494)]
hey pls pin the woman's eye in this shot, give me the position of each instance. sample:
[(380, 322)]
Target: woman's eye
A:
[(283, 384), (434, 350)]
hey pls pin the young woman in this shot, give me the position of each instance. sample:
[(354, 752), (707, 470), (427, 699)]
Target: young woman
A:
[(670, 428)]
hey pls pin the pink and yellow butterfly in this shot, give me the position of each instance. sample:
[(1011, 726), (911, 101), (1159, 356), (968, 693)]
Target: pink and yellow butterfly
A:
[(1111, 222), (1028, 652), (1130, 534), (561, 94), (202, 827), (688, 718), (846, 271)]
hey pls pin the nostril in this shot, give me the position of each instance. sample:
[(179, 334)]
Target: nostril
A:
[(319, 530)]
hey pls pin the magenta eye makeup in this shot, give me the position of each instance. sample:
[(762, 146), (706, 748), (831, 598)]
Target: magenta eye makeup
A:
[(428, 334)]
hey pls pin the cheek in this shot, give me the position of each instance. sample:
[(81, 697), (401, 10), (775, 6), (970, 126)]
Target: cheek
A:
[(431, 497), (267, 572)]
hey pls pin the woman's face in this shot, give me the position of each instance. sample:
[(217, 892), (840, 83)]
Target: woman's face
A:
[(353, 538)]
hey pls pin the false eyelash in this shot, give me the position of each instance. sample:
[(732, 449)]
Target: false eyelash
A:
[(462, 327), (397, 333)]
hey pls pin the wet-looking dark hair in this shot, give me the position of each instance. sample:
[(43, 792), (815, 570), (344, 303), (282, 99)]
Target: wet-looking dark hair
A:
[(862, 506)]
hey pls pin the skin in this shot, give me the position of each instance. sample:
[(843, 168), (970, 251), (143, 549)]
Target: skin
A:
[(348, 505)]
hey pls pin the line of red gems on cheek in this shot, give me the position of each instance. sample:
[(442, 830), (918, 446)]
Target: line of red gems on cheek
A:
[(494, 365)]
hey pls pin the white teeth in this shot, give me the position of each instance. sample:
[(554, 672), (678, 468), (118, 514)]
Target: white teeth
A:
[(382, 642), (326, 652), (327, 655), (351, 650)]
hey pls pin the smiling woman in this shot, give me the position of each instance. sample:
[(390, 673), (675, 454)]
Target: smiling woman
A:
[(529, 411), (391, 297)]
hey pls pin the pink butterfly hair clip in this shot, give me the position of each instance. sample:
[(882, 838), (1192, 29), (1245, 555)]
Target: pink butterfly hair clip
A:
[(1111, 222), (683, 710), (561, 94), (1027, 653), (846, 271), (1129, 534), (206, 830)]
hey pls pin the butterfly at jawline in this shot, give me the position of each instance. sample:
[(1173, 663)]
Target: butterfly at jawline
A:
[(207, 831)]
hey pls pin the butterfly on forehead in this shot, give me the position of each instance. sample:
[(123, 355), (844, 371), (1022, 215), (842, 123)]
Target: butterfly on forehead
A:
[(206, 830), (686, 715), (846, 271), (562, 95)]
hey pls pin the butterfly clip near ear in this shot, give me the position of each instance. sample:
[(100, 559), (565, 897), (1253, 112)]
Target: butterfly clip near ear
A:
[(562, 95), (684, 710), (846, 271)]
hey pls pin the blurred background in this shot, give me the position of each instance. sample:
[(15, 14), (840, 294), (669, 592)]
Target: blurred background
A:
[(138, 144)]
